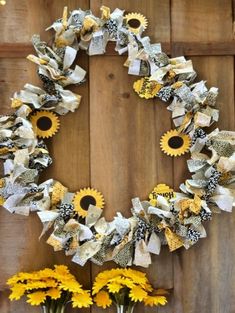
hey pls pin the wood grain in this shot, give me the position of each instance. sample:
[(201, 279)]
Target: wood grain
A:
[(112, 143), (125, 130), (20, 249), (203, 276)]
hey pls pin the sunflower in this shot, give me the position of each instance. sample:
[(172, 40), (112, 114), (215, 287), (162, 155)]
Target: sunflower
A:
[(84, 197), (81, 300), (36, 298), (137, 294), (174, 143), (102, 299), (45, 123), (136, 22)]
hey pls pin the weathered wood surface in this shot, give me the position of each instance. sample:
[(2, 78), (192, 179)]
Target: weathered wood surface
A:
[(112, 143)]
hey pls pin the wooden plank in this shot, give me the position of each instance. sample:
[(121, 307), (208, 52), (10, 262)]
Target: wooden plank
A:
[(125, 130), (19, 247), (19, 20), (21, 50), (199, 20), (203, 280)]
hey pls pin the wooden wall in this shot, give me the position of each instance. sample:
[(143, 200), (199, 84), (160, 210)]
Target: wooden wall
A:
[(112, 143)]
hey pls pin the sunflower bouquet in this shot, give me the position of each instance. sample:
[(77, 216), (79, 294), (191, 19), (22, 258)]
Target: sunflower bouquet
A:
[(52, 289), (124, 288)]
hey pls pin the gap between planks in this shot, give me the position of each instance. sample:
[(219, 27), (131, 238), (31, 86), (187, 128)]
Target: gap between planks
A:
[(21, 50)]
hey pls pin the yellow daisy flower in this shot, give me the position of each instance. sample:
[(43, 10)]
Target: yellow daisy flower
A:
[(81, 300), (54, 293), (104, 277), (36, 298), (138, 277), (40, 284), (45, 273), (62, 270), (84, 197), (17, 291), (155, 300), (137, 294), (45, 123), (114, 287), (102, 299), (71, 285), (174, 143)]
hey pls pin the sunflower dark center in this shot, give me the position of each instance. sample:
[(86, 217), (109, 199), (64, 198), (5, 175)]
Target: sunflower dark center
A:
[(175, 142), (86, 201), (134, 23), (44, 123)]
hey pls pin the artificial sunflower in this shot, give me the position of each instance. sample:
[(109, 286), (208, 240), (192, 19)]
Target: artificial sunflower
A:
[(136, 22), (174, 143), (102, 299), (45, 123), (84, 197)]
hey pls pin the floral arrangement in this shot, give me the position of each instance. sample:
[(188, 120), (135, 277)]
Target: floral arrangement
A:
[(78, 226), (124, 288), (52, 289)]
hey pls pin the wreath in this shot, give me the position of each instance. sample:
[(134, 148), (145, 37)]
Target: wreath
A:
[(167, 217)]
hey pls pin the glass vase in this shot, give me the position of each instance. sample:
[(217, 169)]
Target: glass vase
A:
[(125, 308), (53, 309)]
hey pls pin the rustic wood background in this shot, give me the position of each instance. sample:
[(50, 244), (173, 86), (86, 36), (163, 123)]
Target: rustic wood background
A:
[(112, 143)]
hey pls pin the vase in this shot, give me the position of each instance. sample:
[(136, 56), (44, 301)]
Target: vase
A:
[(125, 308), (53, 309)]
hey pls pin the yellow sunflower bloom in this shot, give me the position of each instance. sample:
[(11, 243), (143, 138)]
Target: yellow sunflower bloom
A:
[(81, 300), (84, 197), (137, 294), (36, 298), (17, 291), (174, 143), (54, 293), (102, 299), (155, 300), (114, 287), (45, 124), (135, 22)]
